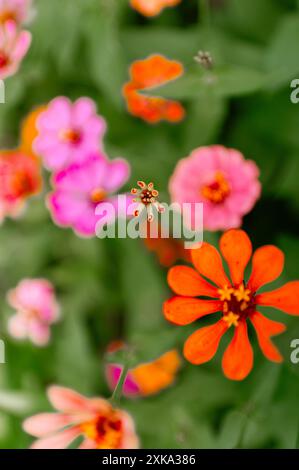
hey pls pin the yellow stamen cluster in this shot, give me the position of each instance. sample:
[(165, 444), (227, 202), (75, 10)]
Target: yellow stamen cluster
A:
[(242, 294), (234, 299), (231, 319)]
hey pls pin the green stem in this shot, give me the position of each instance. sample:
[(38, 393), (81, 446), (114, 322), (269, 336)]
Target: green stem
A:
[(204, 12), (117, 393)]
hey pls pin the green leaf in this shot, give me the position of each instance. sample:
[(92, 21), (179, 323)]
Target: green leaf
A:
[(232, 429), (282, 61), (225, 82)]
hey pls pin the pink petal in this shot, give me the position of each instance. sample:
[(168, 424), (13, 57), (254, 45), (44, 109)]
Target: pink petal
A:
[(118, 173), (66, 400), (58, 441), (18, 326), (22, 45), (46, 423)]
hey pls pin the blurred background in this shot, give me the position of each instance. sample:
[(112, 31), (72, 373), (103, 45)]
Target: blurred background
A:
[(114, 289)]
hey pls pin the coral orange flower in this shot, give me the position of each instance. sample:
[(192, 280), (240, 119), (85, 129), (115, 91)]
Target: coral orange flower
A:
[(100, 424), (148, 74), (145, 379), (236, 299), (152, 7), (19, 179)]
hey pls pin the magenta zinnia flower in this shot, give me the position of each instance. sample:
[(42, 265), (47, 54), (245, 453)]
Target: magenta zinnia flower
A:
[(36, 309), (222, 180), (14, 45), (68, 131), (81, 187)]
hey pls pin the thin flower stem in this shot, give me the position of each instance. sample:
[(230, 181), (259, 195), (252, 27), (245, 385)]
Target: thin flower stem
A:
[(117, 393), (204, 13)]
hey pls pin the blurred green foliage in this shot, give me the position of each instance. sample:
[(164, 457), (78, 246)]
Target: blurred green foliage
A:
[(114, 288)]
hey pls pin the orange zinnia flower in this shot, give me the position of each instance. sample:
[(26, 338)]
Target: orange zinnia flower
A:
[(152, 7), (236, 299), (150, 73)]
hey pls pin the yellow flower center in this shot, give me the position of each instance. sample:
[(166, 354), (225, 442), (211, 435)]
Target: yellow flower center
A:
[(70, 136), (218, 190), (238, 302), (98, 195), (104, 430)]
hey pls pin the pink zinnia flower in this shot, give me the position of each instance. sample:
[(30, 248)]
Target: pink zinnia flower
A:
[(14, 45), (81, 187), (18, 11), (222, 180), (67, 131), (101, 425), (37, 308)]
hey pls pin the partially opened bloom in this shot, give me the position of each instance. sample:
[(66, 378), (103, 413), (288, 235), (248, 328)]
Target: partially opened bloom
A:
[(36, 310), (152, 7), (222, 180), (149, 74), (94, 420), (19, 11), (67, 131), (146, 200), (81, 187), (14, 45), (238, 301), (148, 378), (19, 179)]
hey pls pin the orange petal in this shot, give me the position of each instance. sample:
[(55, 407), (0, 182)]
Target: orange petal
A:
[(236, 248), (152, 7), (157, 375), (208, 262), (266, 328), (267, 265), (202, 345), (237, 360), (151, 72), (154, 71), (29, 129), (286, 298), (185, 310), (186, 281)]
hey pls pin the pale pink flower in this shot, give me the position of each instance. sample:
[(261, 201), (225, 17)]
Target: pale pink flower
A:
[(80, 188), (36, 309), (68, 131), (222, 180), (19, 11), (14, 46), (94, 419)]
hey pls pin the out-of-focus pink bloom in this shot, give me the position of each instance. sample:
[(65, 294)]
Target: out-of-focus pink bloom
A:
[(222, 180), (36, 309), (14, 46), (80, 188), (100, 425), (68, 131), (19, 11)]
